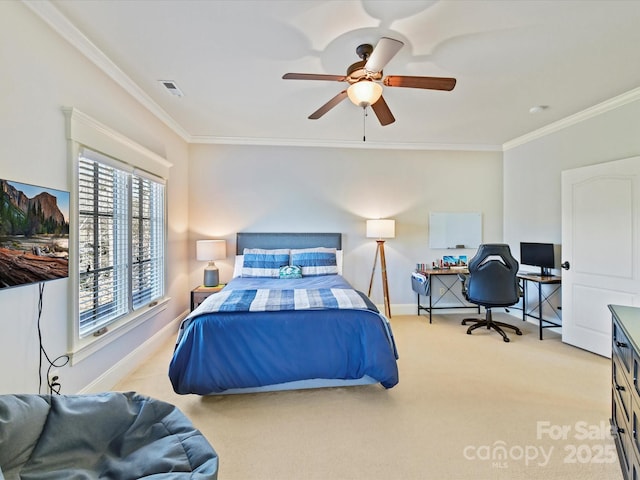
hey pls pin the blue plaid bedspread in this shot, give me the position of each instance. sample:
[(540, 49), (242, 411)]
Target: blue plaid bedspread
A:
[(269, 300)]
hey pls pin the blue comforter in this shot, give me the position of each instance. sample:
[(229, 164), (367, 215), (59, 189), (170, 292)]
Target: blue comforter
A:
[(221, 348)]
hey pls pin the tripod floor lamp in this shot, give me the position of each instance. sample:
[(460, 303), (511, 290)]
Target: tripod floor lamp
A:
[(381, 228)]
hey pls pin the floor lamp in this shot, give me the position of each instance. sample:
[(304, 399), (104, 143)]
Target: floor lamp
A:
[(381, 228)]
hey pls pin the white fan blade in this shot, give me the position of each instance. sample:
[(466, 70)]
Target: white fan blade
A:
[(382, 54)]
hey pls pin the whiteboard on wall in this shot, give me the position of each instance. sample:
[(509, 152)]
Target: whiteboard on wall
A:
[(455, 230)]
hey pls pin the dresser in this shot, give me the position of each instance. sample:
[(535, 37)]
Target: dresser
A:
[(625, 387)]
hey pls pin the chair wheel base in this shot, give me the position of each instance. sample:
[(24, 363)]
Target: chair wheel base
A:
[(489, 324)]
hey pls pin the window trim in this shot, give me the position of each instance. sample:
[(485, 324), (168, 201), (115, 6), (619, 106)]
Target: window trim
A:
[(83, 131)]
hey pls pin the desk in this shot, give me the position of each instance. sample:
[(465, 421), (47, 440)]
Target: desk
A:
[(433, 275), (539, 281)]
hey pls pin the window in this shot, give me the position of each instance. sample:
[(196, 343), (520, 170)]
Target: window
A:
[(117, 234), (120, 240)]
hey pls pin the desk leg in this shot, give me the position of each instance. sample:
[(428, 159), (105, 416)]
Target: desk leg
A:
[(430, 296), (524, 300), (540, 309)]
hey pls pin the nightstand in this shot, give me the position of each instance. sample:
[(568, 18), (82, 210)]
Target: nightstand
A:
[(198, 294)]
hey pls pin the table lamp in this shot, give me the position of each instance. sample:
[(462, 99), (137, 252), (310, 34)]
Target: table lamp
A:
[(381, 228), (209, 251)]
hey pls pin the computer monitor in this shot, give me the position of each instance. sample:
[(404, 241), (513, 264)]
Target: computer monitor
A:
[(537, 255)]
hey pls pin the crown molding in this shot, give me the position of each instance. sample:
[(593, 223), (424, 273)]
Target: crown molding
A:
[(283, 142), (600, 108), (52, 16)]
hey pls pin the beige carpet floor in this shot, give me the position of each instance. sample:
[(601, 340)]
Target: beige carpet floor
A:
[(466, 407)]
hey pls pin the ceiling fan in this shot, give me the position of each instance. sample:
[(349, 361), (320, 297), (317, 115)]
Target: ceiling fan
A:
[(364, 78)]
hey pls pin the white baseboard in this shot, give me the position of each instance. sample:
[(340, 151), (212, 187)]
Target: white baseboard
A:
[(400, 309), (134, 359)]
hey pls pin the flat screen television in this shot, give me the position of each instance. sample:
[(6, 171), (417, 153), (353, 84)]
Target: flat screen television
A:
[(537, 255), (34, 234)]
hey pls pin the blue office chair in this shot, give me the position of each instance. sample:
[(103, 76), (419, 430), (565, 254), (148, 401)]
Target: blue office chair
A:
[(492, 282)]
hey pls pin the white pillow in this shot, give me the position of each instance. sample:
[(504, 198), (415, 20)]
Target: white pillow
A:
[(339, 261), (237, 267)]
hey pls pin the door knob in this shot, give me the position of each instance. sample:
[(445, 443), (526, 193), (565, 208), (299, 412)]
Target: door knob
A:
[(566, 265)]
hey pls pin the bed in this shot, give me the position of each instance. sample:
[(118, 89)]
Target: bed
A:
[(287, 320)]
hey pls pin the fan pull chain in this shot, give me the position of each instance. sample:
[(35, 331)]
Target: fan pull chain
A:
[(364, 123)]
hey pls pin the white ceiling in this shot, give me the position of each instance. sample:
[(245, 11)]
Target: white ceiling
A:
[(228, 58)]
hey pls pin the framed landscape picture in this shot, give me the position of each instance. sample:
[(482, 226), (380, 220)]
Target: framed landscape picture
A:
[(34, 234)]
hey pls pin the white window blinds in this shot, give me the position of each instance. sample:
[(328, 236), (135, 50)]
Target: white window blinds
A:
[(147, 228), (121, 241)]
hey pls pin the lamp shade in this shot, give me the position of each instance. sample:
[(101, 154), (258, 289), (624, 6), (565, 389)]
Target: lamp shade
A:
[(207, 250), (381, 228), (364, 93)]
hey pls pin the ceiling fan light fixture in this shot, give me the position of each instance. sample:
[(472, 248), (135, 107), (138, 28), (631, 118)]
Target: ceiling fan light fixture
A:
[(364, 93)]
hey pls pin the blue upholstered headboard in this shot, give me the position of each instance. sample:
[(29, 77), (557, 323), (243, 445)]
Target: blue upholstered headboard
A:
[(287, 240)]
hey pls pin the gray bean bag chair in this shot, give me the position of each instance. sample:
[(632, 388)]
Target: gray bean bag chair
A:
[(105, 436)]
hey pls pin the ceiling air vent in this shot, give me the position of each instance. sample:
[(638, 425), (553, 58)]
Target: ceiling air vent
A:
[(171, 87)]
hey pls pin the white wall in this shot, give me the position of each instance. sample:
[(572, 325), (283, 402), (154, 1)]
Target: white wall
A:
[(40, 74), (532, 201), (244, 188)]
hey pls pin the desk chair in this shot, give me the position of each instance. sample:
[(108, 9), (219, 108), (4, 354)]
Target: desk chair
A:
[(492, 282)]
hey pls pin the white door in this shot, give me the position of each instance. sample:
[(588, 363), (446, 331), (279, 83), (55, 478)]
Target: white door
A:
[(601, 248)]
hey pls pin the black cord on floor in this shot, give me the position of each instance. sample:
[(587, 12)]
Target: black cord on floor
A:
[(53, 385)]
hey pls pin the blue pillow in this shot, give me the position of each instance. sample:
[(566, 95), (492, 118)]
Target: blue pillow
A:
[(258, 262), (315, 261)]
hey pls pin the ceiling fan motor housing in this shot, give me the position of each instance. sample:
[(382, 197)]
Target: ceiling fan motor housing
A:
[(357, 72)]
